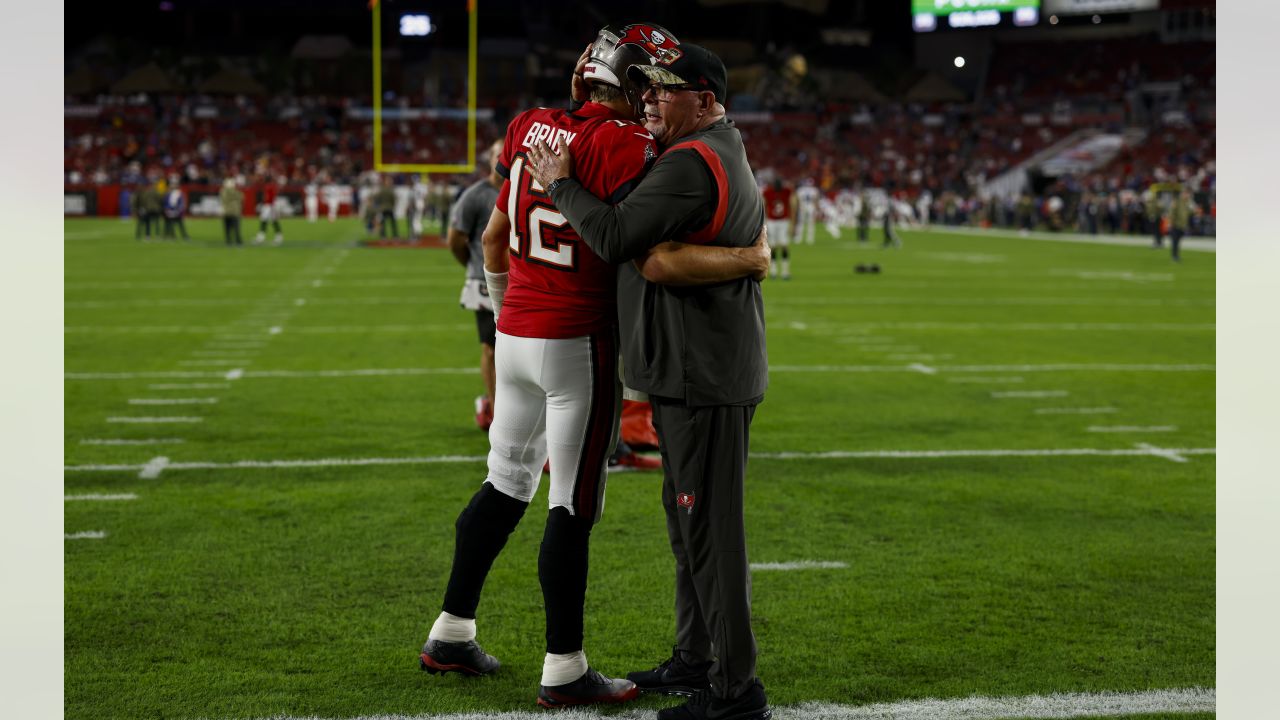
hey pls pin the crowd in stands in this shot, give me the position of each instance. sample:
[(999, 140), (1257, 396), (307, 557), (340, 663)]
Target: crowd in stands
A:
[(938, 155)]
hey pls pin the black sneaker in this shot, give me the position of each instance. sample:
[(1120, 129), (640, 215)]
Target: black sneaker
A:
[(589, 689), (673, 677), (467, 658), (750, 705)]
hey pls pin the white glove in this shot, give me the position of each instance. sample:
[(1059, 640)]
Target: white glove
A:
[(497, 284)]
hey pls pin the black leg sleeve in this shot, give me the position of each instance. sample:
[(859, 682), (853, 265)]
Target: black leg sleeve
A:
[(482, 532), (562, 570)]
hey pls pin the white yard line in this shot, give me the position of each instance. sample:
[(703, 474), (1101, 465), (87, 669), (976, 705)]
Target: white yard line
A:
[(799, 565), (225, 353), (100, 497), (129, 441), (1076, 411), (153, 420), (1055, 706), (1131, 428), (1194, 244), (1143, 451), (1030, 394), (922, 368), (173, 401), (189, 386), (1166, 453), (212, 363), (376, 372), (986, 380), (86, 535)]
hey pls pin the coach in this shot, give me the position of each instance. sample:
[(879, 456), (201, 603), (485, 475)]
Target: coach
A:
[(699, 352)]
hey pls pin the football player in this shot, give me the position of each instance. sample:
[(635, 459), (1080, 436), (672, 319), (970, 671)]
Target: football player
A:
[(779, 208), (557, 376)]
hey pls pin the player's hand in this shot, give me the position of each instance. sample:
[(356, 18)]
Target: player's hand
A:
[(578, 89), (760, 255), (547, 166)]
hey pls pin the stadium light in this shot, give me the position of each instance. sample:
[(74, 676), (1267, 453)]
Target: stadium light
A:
[(959, 61)]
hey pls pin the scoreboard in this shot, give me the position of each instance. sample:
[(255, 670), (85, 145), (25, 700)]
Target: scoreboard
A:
[(930, 15)]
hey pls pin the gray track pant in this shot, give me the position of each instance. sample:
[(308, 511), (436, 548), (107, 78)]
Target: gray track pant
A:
[(704, 459)]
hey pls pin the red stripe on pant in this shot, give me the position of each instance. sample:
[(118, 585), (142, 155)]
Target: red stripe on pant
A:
[(599, 431)]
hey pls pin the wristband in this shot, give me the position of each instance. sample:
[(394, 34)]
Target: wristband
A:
[(557, 183)]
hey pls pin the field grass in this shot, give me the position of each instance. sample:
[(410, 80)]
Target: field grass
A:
[(259, 590)]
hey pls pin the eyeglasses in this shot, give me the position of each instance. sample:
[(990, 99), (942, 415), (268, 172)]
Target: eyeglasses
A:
[(664, 92)]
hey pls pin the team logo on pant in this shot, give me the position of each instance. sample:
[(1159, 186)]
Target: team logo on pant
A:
[(685, 500)]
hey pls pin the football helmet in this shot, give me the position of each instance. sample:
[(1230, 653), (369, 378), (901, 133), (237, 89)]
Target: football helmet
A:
[(617, 48)]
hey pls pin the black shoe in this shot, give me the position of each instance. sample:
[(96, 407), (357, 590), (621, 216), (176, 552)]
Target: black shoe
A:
[(750, 705), (589, 689), (467, 658), (673, 677)]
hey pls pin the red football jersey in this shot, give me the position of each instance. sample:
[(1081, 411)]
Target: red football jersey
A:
[(558, 287), (269, 192), (777, 203)]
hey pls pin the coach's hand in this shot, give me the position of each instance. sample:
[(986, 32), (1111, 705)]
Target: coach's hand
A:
[(578, 89), (547, 166), (760, 255)]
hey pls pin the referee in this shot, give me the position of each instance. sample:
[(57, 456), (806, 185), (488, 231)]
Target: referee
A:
[(699, 352)]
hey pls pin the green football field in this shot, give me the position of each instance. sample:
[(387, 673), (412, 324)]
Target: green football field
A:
[(985, 472)]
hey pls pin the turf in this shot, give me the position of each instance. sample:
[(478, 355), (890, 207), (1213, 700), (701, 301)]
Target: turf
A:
[(251, 592)]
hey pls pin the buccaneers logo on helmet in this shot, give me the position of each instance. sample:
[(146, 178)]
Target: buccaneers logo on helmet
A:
[(661, 46)]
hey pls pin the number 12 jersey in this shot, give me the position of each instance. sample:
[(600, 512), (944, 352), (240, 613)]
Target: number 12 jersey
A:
[(558, 287)]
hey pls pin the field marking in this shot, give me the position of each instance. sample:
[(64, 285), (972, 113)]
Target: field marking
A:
[(225, 353), (85, 535), (212, 363), (1076, 411), (127, 441), (1131, 428), (922, 368), (920, 356), (406, 328), (100, 497), (275, 330), (300, 302), (188, 386), (988, 302), (987, 380), (975, 707), (153, 468), (1140, 451), (1166, 453), (1030, 394), (1114, 275), (972, 258), (799, 565), (1197, 244), (146, 420), (376, 372), (173, 401)]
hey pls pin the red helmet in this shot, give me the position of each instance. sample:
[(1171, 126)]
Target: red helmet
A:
[(615, 49)]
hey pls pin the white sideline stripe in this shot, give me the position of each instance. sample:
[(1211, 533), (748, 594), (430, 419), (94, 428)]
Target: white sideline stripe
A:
[(189, 386), (1201, 244), (125, 441), (1131, 428), (173, 401), (372, 372), (1030, 394), (171, 419), (991, 380), (975, 707), (800, 565), (100, 497), (922, 368), (1141, 451), (1075, 411), (86, 535)]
